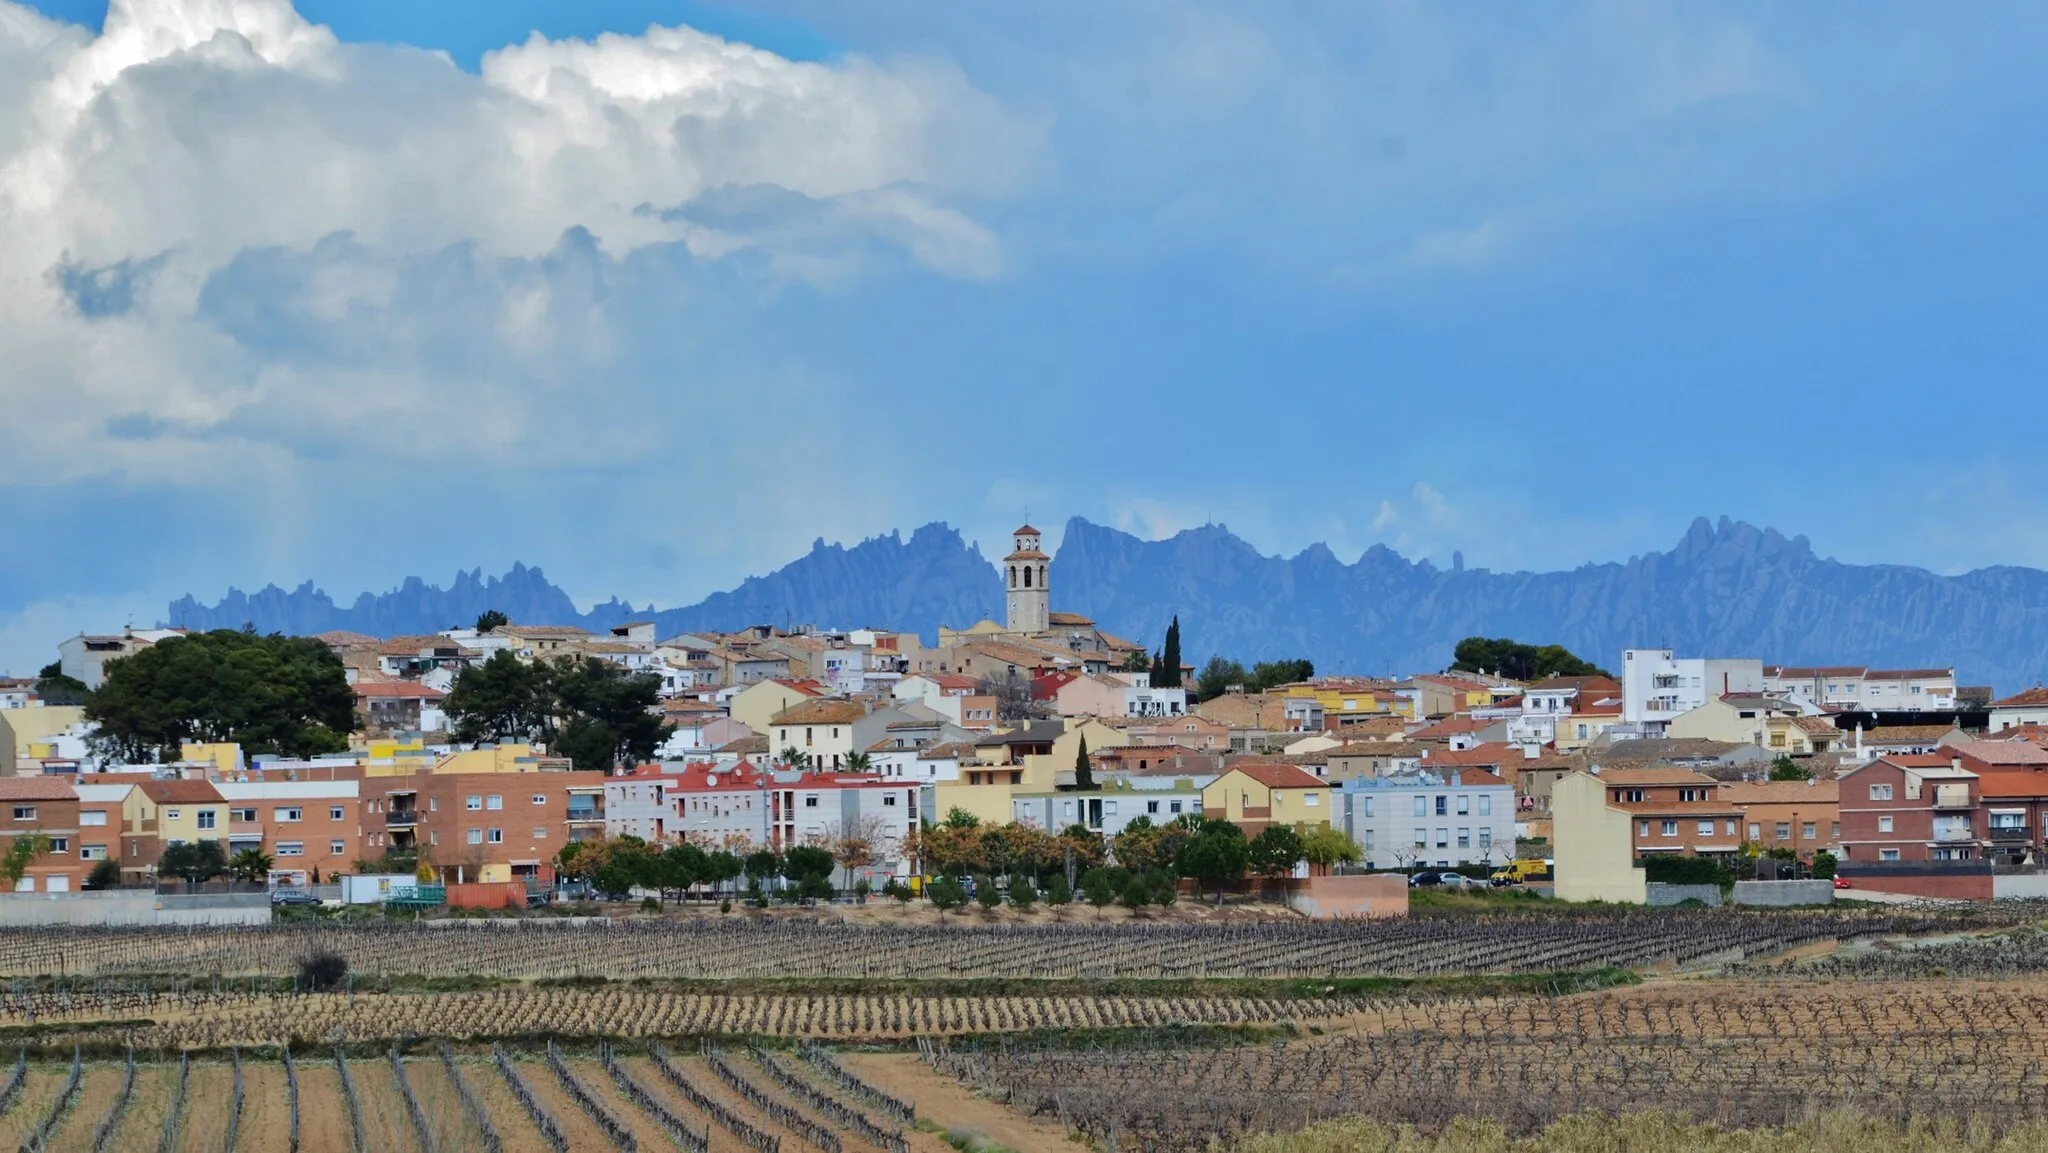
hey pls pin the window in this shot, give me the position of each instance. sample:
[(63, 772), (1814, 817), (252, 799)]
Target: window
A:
[(475, 836), (1880, 792), (1485, 805), (1422, 838), (92, 817), (336, 848), (1464, 838), (1756, 831), (1835, 831), (1809, 831), (1693, 795), (1464, 805), (889, 799), (208, 818), (811, 801), (497, 836), (246, 816), (1442, 805), (1151, 806), (1642, 828), (92, 852), (1631, 796), (540, 832), (1884, 824), (1485, 838), (474, 802), (288, 815), (1421, 806), (540, 798), (291, 848), (60, 844), (1671, 828), (169, 814), (1173, 806), (336, 813), (1706, 828), (1443, 838), (1887, 854), (494, 801), (1312, 800), (433, 804), (1368, 806), (2008, 820), (1783, 830)]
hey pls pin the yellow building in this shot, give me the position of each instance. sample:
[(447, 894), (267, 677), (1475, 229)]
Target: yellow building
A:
[(756, 705), (1745, 719), (221, 758), (1595, 847), (29, 732), (1348, 696), (175, 812), (1028, 759), (506, 758), (1254, 796)]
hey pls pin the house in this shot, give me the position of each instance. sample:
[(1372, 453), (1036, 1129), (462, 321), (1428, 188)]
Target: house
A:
[(1675, 810), (45, 806), (103, 813), (1113, 695), (1442, 818), (422, 657), (1856, 688), (401, 707), (1258, 794), (1549, 704), (17, 693), (755, 705), (1905, 808), (1907, 740), (1188, 732), (827, 809), (1657, 687), (85, 656), (301, 825), (1594, 853), (819, 730), (482, 826), (171, 812), (1803, 816), (930, 689), (543, 641), (1745, 718), (2024, 708), (1108, 810)]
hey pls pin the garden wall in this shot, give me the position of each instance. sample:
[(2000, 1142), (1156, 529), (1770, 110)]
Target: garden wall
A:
[(1658, 893), (1782, 894), (1368, 895), (127, 907)]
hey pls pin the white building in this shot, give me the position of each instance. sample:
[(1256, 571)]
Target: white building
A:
[(1655, 686), (710, 806), (1111, 811), (1440, 819), (2027, 708), (84, 657), (825, 808), (1856, 687)]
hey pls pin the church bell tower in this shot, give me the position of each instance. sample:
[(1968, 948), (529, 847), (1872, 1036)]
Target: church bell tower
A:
[(1025, 582)]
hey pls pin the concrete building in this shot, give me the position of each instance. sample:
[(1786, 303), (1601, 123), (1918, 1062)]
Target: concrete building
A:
[(85, 656), (710, 806), (2025, 708), (1441, 819), (1676, 811), (482, 826), (825, 809), (1111, 809), (302, 825), (1594, 857), (1803, 816), (1657, 686), (1857, 688), (821, 730)]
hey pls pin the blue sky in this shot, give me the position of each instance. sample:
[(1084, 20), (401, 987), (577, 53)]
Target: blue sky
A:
[(290, 297)]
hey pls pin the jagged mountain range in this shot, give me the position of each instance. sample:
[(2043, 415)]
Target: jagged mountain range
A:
[(1726, 589)]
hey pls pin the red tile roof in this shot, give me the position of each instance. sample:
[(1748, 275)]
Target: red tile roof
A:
[(181, 792), (36, 789), (2035, 697), (397, 690)]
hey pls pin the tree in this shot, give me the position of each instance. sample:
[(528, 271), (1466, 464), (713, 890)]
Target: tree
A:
[(859, 763), (1022, 893), (1217, 677), (1823, 865), (1508, 658), (250, 865), (20, 855), (490, 621), (1169, 658), (761, 864), (722, 868), (105, 875), (1327, 845), (274, 694), (1057, 893), (805, 862), (953, 850), (1213, 858), (53, 687), (1014, 701), (985, 893), (1099, 887), (502, 699), (795, 758), (1272, 674), (193, 861), (1137, 662), (609, 711), (959, 818), (1084, 772), (1274, 852), (1787, 769), (946, 893), (856, 851)]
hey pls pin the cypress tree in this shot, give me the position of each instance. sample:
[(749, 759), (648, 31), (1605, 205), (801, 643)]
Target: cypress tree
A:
[(1170, 660), (1084, 773)]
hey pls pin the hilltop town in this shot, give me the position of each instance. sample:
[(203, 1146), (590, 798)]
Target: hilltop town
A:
[(860, 741)]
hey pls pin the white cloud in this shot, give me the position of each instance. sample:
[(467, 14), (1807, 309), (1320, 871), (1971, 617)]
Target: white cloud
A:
[(141, 167)]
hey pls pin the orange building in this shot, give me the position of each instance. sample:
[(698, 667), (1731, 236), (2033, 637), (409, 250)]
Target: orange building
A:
[(1675, 811), (1803, 816), (47, 806)]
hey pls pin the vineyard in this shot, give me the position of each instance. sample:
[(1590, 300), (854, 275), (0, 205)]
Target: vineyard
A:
[(499, 1100), (2017, 954), (1750, 1055), (743, 948)]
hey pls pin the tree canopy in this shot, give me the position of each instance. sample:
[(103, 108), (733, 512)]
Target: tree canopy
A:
[(491, 620), (1220, 673), (269, 694), (1505, 657), (594, 712), (53, 687)]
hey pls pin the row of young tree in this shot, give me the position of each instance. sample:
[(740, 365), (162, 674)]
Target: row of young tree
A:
[(616, 866)]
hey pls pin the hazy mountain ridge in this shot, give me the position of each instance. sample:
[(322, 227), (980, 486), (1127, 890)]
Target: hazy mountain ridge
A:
[(1724, 589)]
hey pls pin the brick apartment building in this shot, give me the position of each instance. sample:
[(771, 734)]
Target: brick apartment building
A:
[(1675, 811), (482, 826), (46, 806), (1908, 808), (304, 826), (1803, 816)]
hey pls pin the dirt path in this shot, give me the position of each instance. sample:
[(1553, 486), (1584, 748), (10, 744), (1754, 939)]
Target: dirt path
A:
[(266, 1105), (945, 1102), (576, 1125), (447, 1120), (515, 1129), (143, 1124), (323, 1119), (95, 1096), (206, 1106), (387, 1125)]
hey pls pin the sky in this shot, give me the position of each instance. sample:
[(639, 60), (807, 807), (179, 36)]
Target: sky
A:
[(652, 294)]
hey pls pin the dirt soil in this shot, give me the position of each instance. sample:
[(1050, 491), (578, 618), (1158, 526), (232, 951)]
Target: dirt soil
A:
[(387, 1125), (952, 1106), (95, 1096), (446, 1118), (206, 1106), (266, 1105), (143, 1124), (576, 1124), (514, 1128), (323, 1119)]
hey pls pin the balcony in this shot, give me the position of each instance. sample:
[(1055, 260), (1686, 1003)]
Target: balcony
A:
[(1948, 836), (585, 813), (2015, 835), (401, 818), (1953, 797)]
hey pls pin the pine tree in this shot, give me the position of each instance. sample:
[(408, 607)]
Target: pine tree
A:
[(1084, 773), (1169, 661)]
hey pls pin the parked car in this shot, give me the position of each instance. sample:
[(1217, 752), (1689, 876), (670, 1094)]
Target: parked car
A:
[(1424, 880), (282, 898), (1841, 882), (1455, 881)]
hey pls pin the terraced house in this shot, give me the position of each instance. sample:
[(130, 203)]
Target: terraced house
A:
[(1675, 811)]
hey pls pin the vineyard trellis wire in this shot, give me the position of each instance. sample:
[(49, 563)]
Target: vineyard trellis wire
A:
[(39, 1139), (103, 1133), (550, 1130), (234, 1125), (479, 1116), (359, 1137), (685, 1138), (794, 1084), (10, 1091), (896, 1107), (781, 1113), (174, 1117), (291, 1095), (599, 1113), (420, 1127), (731, 1122)]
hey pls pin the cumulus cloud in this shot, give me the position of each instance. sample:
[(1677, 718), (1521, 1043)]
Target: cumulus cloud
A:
[(216, 220)]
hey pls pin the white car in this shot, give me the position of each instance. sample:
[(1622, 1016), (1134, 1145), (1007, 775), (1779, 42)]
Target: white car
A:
[(1455, 881)]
